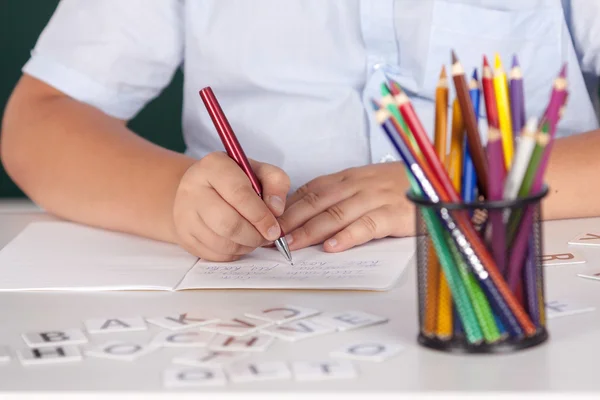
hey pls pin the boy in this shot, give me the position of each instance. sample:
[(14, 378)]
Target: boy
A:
[(293, 77)]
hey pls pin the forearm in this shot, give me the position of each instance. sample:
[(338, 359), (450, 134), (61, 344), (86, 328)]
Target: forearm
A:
[(572, 176), (82, 165)]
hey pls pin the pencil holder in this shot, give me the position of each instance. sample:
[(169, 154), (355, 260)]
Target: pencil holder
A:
[(480, 276)]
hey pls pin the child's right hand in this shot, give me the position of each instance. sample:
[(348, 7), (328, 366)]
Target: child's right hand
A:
[(217, 214)]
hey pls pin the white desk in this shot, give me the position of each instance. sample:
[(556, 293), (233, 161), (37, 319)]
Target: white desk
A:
[(568, 361)]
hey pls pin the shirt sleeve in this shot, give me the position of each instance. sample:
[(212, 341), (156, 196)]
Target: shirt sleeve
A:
[(582, 17), (116, 55)]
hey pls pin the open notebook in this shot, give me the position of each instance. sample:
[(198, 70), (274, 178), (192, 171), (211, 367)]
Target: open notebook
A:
[(68, 256)]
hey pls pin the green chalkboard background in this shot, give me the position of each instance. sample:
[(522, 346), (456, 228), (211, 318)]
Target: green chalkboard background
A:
[(21, 22)]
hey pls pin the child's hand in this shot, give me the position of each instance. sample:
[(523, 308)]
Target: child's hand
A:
[(217, 214), (350, 208)]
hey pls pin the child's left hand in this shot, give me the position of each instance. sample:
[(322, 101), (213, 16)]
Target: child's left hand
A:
[(350, 208)]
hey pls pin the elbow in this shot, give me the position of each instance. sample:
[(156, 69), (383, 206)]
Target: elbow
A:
[(12, 152), (20, 133)]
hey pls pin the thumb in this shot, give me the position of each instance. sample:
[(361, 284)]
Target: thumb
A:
[(275, 185)]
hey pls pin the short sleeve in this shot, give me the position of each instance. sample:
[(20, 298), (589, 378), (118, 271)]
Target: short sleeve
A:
[(116, 55), (582, 17)]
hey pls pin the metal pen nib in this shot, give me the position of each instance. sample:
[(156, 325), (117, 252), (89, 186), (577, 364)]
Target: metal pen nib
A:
[(283, 248)]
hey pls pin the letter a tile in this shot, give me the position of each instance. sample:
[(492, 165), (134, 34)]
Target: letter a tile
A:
[(109, 325)]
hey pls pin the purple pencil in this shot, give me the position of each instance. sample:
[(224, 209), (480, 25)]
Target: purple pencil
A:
[(495, 156), (517, 98), (552, 116)]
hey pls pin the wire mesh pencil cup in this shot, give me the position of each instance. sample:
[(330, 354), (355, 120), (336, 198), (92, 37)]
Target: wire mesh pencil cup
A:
[(468, 309)]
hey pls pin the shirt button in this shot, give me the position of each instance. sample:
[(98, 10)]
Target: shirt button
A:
[(387, 158)]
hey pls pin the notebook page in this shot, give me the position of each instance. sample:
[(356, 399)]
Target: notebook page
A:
[(376, 265), (68, 256)]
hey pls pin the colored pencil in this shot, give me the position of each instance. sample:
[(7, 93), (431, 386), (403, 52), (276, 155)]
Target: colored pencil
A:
[(519, 246), (464, 306), (455, 159), (496, 182), (387, 100), (469, 177), (539, 156), (473, 137), (517, 98), (530, 277), (430, 302), (441, 116), (487, 82), (445, 320), (521, 161), (466, 238), (478, 300), (502, 102)]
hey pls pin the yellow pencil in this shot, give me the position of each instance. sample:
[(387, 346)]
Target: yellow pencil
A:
[(502, 102), (455, 160), (444, 324)]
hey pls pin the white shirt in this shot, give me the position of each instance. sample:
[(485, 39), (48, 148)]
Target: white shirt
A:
[(294, 76)]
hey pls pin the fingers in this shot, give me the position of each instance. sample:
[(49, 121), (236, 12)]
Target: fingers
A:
[(225, 221), (313, 203), (332, 220), (235, 189), (376, 224), (192, 245), (316, 185), (275, 185)]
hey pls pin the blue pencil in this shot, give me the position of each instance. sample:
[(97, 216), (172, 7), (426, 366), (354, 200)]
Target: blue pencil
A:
[(469, 178)]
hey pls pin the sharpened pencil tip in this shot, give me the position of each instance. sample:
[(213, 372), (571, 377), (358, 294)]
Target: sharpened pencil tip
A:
[(563, 71), (443, 73), (475, 77), (375, 104), (454, 58), (515, 62), (385, 90), (394, 86), (485, 62), (497, 61)]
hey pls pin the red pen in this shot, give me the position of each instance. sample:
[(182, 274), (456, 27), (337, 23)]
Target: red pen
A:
[(235, 151)]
